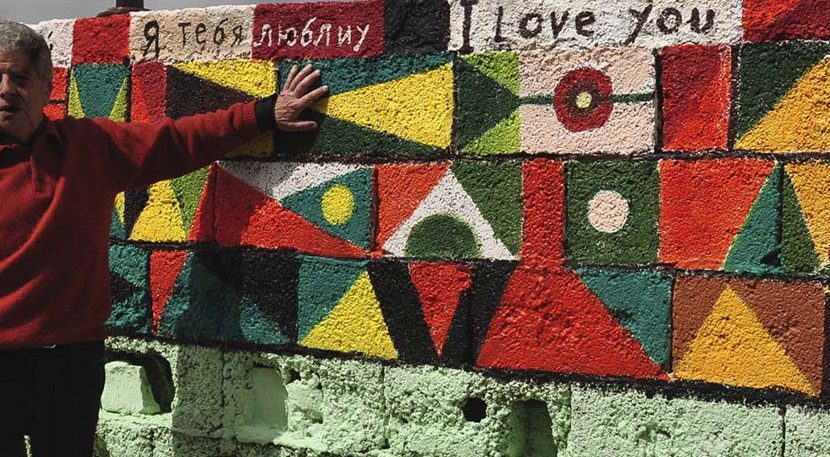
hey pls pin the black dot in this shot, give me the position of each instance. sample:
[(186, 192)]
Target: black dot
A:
[(475, 409)]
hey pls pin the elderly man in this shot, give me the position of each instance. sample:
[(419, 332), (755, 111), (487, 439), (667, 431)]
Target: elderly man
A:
[(58, 181)]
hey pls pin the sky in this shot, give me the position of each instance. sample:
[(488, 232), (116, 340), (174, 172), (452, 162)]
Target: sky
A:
[(34, 11)]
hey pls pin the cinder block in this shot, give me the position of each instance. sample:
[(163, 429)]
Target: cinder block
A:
[(120, 436), (807, 431), (505, 24), (446, 412), (322, 405), (127, 390), (450, 211), (192, 34), (630, 423), (196, 376), (58, 35)]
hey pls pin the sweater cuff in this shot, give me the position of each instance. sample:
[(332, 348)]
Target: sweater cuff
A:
[(264, 110)]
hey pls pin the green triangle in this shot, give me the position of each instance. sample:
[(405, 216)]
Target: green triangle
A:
[(247, 323), (502, 67), (767, 72), (756, 247), (346, 74), (188, 190), (504, 138), (482, 103), (117, 230), (98, 87), (337, 137), (323, 282), (797, 248), (496, 188), (197, 305), (308, 204), (641, 301)]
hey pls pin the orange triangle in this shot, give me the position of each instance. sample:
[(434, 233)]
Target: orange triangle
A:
[(401, 188), (245, 216), (165, 267), (440, 287), (550, 321)]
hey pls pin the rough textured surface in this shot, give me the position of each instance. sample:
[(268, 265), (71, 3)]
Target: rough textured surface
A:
[(498, 190), (631, 423)]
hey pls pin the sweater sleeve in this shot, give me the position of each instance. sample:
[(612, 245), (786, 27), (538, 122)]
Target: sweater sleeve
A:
[(145, 153)]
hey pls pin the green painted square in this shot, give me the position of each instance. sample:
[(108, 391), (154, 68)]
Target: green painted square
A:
[(612, 212)]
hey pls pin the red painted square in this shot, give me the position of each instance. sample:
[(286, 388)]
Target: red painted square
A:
[(101, 39), (149, 83), (318, 30), (772, 20), (59, 78), (55, 111), (544, 213), (697, 90), (703, 205)]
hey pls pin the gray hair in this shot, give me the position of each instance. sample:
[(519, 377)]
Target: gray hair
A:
[(16, 37)]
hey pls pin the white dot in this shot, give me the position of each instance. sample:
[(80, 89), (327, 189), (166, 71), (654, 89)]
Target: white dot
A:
[(608, 211)]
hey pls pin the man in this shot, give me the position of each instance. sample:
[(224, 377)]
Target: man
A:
[(58, 181)]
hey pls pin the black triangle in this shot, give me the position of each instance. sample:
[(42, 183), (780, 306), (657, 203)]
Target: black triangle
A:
[(482, 102), (402, 311), (121, 289), (188, 94), (134, 202)]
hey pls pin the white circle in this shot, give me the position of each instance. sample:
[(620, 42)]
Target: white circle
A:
[(608, 211)]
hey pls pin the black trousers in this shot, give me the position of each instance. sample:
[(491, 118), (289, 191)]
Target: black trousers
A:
[(52, 395)]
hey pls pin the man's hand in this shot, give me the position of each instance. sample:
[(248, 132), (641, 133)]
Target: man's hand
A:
[(295, 98)]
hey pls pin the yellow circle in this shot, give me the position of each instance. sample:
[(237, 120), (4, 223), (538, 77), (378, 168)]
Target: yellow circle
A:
[(338, 204), (583, 100)]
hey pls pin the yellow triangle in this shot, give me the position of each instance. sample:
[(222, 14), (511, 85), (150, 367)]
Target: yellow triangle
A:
[(76, 110), (733, 347), (355, 325), (119, 108), (119, 206), (161, 219), (800, 121), (811, 181), (253, 77), (417, 108)]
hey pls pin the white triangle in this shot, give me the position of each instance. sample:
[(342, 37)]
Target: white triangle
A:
[(449, 197), (279, 180)]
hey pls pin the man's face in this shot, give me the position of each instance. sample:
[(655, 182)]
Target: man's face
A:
[(22, 97)]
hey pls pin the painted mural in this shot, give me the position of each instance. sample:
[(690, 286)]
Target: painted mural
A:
[(630, 192)]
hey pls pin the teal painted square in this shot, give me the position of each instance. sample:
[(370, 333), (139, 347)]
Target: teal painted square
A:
[(129, 284), (595, 232)]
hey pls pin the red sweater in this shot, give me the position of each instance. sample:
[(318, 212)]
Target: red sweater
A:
[(57, 201)]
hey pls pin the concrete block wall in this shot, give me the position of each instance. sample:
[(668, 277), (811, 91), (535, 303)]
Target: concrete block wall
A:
[(523, 229)]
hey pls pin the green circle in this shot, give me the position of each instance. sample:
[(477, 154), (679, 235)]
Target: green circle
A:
[(442, 236)]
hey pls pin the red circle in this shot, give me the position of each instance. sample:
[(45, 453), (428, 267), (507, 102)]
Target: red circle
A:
[(583, 81)]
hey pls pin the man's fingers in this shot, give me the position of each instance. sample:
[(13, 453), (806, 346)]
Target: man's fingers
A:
[(290, 78), (300, 76), (299, 126), (311, 97), (303, 85)]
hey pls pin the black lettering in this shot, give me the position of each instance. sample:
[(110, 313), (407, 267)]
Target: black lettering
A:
[(526, 32), (467, 24), (200, 30), (151, 37), (694, 22), (669, 20), (642, 18), (499, 17), (584, 20), (557, 26), (237, 35), (184, 26)]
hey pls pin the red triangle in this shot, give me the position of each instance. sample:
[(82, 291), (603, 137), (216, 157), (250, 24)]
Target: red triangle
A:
[(202, 227), (439, 287), (245, 216), (401, 188), (703, 205), (165, 267), (550, 321)]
